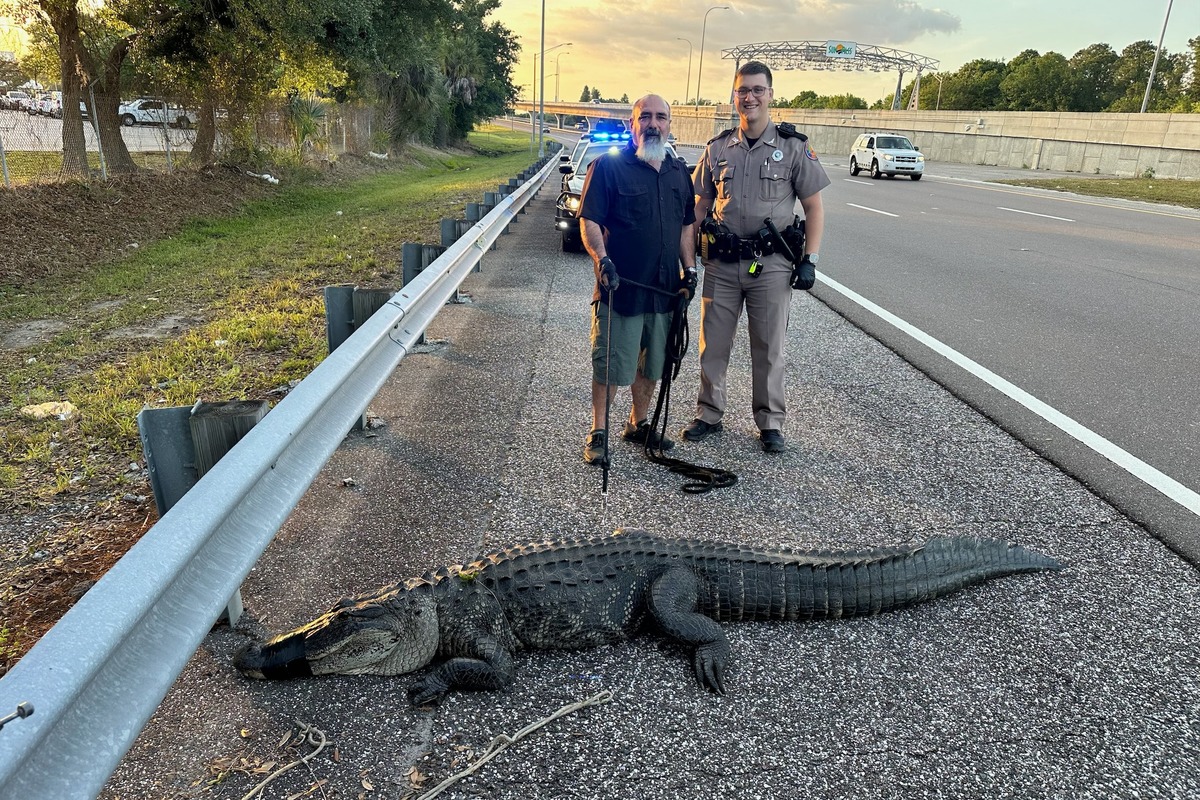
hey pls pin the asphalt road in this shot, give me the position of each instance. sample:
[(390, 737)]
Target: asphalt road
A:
[(1078, 684), (1090, 305)]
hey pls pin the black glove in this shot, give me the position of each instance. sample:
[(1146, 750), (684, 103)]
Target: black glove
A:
[(804, 274), (609, 278), (690, 282)]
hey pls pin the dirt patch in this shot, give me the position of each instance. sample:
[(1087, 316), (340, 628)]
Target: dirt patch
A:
[(35, 331), (156, 329), (64, 229)]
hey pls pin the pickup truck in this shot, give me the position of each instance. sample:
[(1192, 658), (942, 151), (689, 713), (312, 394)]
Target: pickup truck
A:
[(151, 112)]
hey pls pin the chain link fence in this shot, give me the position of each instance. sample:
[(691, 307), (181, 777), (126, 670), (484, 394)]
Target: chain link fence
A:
[(160, 135)]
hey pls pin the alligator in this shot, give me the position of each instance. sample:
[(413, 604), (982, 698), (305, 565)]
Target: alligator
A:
[(590, 591)]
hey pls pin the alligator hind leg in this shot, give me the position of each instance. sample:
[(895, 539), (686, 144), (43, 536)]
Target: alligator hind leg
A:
[(673, 599), (489, 666)]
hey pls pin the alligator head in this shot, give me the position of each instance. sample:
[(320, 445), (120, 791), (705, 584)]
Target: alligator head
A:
[(387, 634)]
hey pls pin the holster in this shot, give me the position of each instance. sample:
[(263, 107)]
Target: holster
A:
[(718, 242)]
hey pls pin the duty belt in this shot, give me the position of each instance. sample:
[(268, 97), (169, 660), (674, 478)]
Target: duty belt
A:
[(741, 249)]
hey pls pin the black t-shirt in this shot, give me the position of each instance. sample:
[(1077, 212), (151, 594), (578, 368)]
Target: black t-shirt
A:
[(642, 213)]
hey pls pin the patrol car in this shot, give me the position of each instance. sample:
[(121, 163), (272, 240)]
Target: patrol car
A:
[(888, 154), (574, 171)]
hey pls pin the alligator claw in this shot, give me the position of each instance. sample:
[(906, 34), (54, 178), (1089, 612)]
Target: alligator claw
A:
[(427, 691), (710, 661)]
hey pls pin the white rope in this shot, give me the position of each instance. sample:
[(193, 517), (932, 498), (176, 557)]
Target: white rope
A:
[(503, 740), (312, 735)]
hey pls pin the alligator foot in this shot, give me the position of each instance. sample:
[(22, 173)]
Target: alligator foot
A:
[(427, 691), (710, 661)]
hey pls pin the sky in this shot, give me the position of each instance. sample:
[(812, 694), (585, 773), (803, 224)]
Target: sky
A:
[(625, 48)]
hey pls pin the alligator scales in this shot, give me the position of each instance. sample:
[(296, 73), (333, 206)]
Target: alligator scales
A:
[(468, 621)]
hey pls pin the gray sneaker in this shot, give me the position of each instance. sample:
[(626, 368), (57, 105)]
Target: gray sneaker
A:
[(593, 447)]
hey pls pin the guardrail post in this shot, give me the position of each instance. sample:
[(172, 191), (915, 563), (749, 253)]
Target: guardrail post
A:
[(451, 231), (410, 261), (474, 213), (339, 314), (182, 443)]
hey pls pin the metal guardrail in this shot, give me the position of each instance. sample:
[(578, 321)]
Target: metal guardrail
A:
[(98, 675)]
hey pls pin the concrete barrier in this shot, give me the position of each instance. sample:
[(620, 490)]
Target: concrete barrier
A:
[(1122, 145)]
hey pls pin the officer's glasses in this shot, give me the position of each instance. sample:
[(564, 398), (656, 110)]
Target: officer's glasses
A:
[(758, 91)]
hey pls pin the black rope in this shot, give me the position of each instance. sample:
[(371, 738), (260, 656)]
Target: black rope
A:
[(605, 465), (700, 479)]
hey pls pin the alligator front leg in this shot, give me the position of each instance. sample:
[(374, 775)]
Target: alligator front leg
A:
[(673, 599), (488, 665)]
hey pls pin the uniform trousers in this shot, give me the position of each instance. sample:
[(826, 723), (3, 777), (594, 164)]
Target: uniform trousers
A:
[(728, 287)]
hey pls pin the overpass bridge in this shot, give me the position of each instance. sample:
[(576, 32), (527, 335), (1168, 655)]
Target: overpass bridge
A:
[(589, 111)]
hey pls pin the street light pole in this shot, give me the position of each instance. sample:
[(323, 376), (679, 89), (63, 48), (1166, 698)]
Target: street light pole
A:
[(1157, 53), (687, 86), (556, 58), (703, 33), (540, 94)]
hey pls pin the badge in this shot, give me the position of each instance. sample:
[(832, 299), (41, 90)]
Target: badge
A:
[(809, 152), (777, 155)]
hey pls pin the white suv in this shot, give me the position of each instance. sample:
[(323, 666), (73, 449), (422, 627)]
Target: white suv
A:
[(888, 154)]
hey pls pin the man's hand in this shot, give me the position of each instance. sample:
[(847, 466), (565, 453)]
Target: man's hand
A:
[(609, 278), (690, 282), (804, 274)]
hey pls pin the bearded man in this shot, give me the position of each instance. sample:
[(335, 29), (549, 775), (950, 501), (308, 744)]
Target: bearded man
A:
[(636, 216)]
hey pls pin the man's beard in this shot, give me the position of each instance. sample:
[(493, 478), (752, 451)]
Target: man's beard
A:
[(651, 148)]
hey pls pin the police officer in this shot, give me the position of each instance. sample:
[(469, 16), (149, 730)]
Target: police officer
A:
[(747, 175)]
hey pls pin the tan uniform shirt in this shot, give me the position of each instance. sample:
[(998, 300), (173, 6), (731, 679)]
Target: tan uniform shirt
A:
[(750, 184)]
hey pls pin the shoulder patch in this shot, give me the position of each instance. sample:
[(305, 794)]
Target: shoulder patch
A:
[(809, 152), (788, 131), (720, 135)]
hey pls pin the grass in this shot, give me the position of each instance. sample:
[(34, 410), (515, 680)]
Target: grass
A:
[(248, 290), (1171, 191)]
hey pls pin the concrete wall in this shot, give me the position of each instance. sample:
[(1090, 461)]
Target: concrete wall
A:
[(1122, 145)]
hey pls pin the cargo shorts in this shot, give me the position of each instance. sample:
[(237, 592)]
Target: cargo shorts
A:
[(639, 344)]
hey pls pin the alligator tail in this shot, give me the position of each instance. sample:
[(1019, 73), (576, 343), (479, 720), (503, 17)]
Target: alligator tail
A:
[(948, 563), (832, 585), (279, 658)]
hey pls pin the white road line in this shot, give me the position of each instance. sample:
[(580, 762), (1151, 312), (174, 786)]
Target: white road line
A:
[(860, 183), (875, 210), (1139, 469), (1032, 214)]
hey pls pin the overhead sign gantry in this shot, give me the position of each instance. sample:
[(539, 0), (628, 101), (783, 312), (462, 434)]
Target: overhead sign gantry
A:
[(837, 55)]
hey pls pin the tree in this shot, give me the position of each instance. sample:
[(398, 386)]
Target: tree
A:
[(11, 74), (1091, 85), (62, 17), (975, 86), (586, 97), (1037, 82), (1130, 76)]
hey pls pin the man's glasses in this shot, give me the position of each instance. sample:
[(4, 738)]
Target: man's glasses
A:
[(758, 91)]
